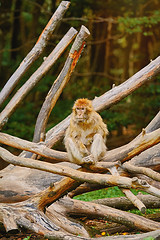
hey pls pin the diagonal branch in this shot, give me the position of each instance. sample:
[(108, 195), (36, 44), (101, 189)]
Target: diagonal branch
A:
[(38, 148), (59, 84), (35, 52), (134, 199), (37, 75), (142, 170), (138, 145), (111, 97)]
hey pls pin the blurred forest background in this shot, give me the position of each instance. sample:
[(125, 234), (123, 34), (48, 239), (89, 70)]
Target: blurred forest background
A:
[(125, 37)]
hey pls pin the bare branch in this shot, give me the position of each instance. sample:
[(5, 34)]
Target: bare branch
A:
[(35, 52), (138, 145), (59, 84), (143, 170), (37, 75), (111, 97), (125, 204), (78, 175), (38, 148)]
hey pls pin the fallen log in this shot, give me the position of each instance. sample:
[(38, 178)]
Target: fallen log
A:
[(142, 170), (76, 207), (124, 204), (108, 180)]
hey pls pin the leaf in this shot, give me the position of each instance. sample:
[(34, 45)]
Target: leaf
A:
[(27, 238)]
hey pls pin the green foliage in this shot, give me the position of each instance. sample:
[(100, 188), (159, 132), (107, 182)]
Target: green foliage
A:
[(138, 24), (148, 211)]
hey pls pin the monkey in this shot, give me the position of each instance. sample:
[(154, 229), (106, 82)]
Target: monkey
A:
[(85, 138)]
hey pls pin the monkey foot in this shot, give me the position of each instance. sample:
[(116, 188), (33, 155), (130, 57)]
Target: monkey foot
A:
[(88, 160)]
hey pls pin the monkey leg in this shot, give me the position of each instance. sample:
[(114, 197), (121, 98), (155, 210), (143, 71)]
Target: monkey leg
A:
[(76, 151), (98, 147), (73, 151)]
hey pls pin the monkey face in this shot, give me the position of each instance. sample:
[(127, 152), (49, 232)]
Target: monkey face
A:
[(80, 114), (81, 110)]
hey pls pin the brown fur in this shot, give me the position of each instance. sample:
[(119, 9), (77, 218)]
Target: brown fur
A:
[(85, 137)]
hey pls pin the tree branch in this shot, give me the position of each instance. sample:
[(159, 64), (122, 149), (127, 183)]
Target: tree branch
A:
[(37, 75), (80, 176), (111, 97), (143, 170), (138, 145), (35, 52), (125, 204), (59, 84), (37, 148)]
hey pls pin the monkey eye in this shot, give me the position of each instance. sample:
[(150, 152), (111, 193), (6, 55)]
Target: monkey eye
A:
[(80, 108)]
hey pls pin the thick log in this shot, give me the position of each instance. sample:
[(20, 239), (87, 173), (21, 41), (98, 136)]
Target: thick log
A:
[(143, 236), (74, 207), (95, 178), (19, 183), (35, 52), (59, 84), (148, 158), (124, 204), (37, 75), (133, 148)]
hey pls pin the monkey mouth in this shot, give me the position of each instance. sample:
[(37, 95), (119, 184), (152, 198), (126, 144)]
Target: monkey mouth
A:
[(80, 119)]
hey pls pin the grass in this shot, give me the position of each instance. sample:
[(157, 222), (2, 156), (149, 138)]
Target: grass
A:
[(110, 193), (104, 193)]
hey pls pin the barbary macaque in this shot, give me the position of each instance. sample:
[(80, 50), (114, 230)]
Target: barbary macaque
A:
[(85, 138)]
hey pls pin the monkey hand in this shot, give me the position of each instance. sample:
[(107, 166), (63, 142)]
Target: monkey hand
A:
[(88, 159)]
